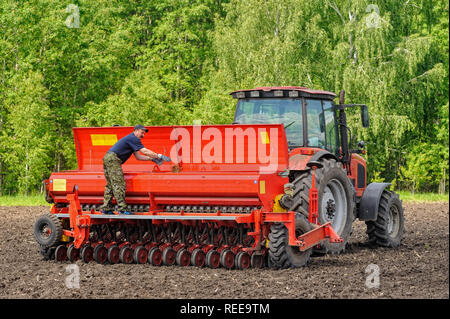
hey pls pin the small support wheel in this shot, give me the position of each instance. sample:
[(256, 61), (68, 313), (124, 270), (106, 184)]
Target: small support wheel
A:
[(242, 260), (140, 255), (168, 256), (183, 258), (114, 254), (73, 254), (213, 259), (100, 254), (198, 258), (155, 256), (87, 254), (61, 253), (126, 255), (47, 230), (227, 259)]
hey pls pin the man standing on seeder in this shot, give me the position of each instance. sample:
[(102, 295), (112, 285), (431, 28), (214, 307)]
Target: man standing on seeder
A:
[(118, 154)]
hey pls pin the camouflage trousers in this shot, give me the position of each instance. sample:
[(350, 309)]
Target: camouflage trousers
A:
[(115, 183)]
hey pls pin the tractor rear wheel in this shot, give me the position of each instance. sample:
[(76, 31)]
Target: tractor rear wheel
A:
[(281, 255), (336, 200), (388, 229)]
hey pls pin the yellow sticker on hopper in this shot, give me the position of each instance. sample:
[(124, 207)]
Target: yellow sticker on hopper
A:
[(264, 137), (103, 139), (59, 185), (262, 187)]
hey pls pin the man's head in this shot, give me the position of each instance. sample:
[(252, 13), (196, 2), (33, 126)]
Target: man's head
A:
[(140, 130)]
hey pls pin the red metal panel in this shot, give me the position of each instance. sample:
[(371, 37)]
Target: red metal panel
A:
[(299, 157), (188, 188), (90, 155), (200, 148), (163, 184), (358, 159)]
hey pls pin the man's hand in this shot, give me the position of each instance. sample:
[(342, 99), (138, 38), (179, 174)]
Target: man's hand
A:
[(164, 158)]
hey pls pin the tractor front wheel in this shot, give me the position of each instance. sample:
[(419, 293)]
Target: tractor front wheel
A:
[(336, 201), (281, 255)]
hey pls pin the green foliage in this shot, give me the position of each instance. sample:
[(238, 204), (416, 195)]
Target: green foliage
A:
[(27, 142), (406, 196), (169, 62), (22, 200)]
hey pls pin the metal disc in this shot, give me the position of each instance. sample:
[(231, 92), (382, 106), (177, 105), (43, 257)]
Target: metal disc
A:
[(183, 258), (140, 255), (198, 258), (227, 259), (61, 253), (168, 256), (155, 256), (212, 259), (126, 255), (114, 254), (87, 254)]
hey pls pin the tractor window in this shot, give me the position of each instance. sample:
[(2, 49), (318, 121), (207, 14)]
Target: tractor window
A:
[(330, 127), (273, 111), (315, 119)]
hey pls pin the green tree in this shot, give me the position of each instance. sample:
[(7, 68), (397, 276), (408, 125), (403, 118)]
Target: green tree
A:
[(26, 140)]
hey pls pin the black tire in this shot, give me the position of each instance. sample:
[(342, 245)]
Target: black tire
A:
[(100, 254), (243, 260), (155, 256), (332, 183), (61, 253), (140, 255), (169, 256), (198, 258), (212, 259), (388, 230), (73, 254), (48, 230), (257, 261), (183, 257), (87, 254), (227, 259), (283, 256), (126, 255), (114, 254)]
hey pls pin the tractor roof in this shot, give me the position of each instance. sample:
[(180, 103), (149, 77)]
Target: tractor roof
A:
[(282, 91)]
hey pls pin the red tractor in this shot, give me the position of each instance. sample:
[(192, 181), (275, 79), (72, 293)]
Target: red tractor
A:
[(276, 185), (317, 132)]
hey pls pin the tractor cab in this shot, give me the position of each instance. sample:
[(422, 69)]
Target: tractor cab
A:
[(310, 117)]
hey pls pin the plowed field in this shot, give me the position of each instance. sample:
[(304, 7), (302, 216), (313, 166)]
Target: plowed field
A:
[(417, 269)]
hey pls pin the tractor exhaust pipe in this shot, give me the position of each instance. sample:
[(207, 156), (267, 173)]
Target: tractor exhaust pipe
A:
[(341, 97)]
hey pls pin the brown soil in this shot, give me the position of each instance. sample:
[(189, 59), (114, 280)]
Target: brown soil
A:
[(417, 269)]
